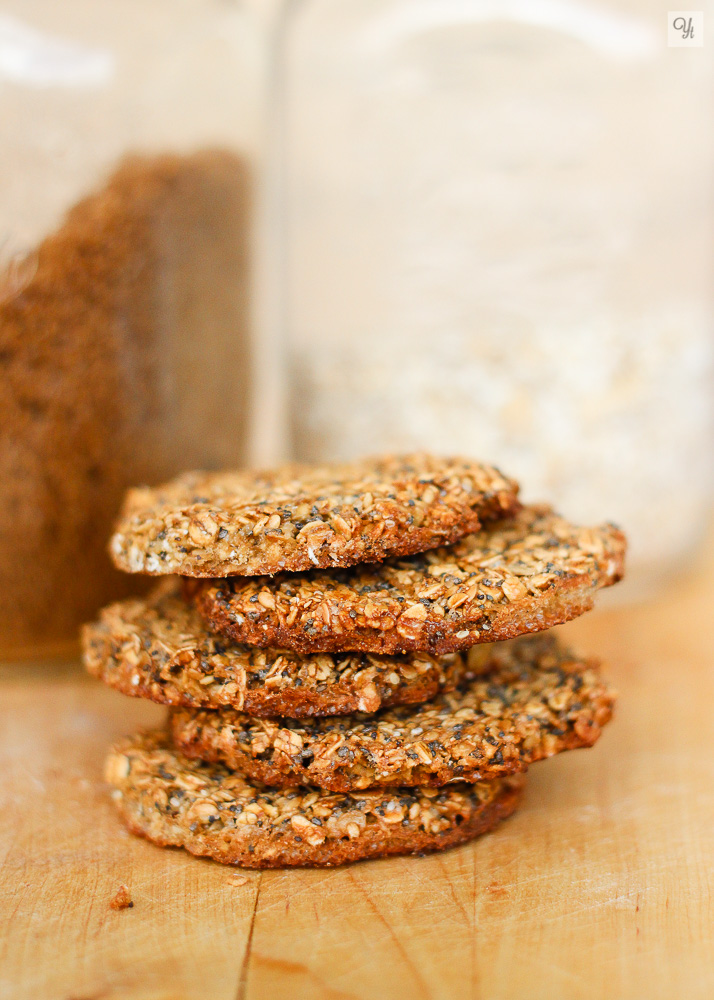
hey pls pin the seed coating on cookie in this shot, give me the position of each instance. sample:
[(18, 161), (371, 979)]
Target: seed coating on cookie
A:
[(211, 811), (159, 648), (526, 699), (518, 575), (299, 517)]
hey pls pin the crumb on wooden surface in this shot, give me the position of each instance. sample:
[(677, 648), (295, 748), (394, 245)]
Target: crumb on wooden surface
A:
[(122, 899)]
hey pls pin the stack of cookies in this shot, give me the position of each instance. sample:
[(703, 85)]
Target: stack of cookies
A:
[(344, 651)]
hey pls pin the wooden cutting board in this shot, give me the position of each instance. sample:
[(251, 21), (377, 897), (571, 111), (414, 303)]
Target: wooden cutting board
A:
[(601, 886)]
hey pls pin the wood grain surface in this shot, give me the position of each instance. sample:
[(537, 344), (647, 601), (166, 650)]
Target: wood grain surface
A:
[(601, 886)]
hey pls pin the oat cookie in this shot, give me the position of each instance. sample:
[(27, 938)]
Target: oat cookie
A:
[(213, 812), (159, 648), (300, 516), (523, 574), (528, 699)]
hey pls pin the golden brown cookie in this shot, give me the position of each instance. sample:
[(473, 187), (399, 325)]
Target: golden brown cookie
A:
[(523, 574), (159, 648), (528, 699), (213, 812), (301, 516)]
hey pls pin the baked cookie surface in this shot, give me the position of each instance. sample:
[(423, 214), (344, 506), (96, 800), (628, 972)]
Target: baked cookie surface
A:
[(525, 700), (159, 648), (298, 517), (518, 575), (213, 812)]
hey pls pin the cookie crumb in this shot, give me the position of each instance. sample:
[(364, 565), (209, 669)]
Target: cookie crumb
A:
[(237, 880), (122, 899)]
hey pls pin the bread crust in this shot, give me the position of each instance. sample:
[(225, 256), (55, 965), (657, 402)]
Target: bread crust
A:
[(523, 701), (299, 517), (213, 813), (160, 649), (518, 575)]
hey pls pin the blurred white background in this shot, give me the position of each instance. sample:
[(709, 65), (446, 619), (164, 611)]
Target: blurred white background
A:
[(499, 231)]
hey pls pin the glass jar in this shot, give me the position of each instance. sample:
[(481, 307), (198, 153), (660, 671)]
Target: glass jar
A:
[(499, 242), (130, 132)]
